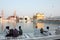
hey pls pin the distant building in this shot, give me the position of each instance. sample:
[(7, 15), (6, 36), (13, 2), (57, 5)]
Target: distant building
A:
[(13, 18), (25, 19), (38, 16)]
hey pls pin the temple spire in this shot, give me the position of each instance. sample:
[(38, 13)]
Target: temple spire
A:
[(14, 23), (2, 19), (14, 14), (2, 14)]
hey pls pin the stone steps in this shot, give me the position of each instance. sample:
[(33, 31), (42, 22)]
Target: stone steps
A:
[(30, 36)]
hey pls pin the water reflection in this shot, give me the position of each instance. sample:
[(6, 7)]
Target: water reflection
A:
[(40, 25)]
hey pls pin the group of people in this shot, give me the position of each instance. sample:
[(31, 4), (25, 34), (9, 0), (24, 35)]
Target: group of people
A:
[(13, 32), (46, 32), (43, 31)]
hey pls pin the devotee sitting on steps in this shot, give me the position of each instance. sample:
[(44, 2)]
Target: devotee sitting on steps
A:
[(7, 31), (20, 31), (41, 30)]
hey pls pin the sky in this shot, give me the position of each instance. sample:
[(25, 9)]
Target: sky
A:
[(30, 7)]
